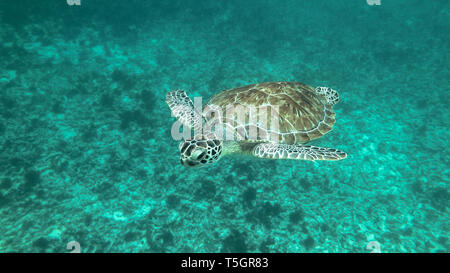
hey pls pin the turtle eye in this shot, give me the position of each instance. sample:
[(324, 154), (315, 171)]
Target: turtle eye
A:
[(201, 155), (198, 153)]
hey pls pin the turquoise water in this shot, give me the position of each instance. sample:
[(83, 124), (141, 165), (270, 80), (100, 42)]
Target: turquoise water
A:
[(87, 154)]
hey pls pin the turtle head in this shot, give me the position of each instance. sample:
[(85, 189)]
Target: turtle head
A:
[(196, 153)]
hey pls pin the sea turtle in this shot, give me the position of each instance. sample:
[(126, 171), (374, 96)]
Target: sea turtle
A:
[(305, 113)]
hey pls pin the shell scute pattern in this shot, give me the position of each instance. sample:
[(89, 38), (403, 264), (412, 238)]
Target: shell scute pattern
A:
[(304, 113)]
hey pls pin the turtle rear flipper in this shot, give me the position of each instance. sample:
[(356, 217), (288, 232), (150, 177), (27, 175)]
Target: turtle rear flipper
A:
[(302, 152), (330, 95), (183, 109)]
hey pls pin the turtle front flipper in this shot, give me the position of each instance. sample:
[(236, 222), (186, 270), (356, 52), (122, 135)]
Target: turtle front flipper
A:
[(302, 152), (183, 109)]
